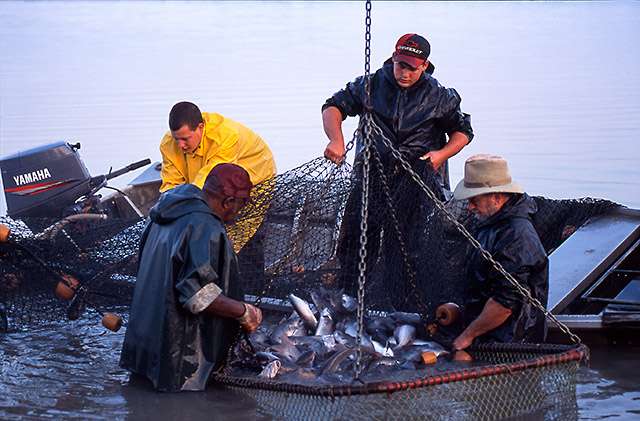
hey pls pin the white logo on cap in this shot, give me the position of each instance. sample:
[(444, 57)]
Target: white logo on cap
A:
[(413, 50)]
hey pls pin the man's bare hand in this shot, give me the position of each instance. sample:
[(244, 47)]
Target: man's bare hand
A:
[(335, 152), (251, 318), (462, 342), (437, 158)]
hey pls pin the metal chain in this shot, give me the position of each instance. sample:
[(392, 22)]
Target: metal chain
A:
[(364, 211), (396, 226), (485, 254)]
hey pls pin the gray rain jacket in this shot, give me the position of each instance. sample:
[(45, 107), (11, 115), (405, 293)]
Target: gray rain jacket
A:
[(185, 260)]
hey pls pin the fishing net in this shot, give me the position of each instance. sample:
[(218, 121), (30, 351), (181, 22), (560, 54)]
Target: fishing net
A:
[(301, 230)]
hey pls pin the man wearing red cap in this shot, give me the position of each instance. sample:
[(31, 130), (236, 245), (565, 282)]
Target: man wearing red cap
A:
[(423, 121), (186, 307), (409, 104)]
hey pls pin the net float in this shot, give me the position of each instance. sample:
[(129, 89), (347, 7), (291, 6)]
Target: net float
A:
[(112, 321), (5, 232), (447, 314), (429, 357), (66, 287)]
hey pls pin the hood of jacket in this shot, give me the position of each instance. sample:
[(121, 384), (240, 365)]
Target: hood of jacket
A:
[(178, 202)]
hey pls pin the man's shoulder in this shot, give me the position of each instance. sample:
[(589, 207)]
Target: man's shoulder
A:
[(167, 143), (219, 127)]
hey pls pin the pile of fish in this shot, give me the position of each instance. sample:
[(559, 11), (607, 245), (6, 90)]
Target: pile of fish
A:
[(317, 343)]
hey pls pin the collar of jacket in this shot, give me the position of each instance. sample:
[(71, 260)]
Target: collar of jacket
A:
[(518, 206)]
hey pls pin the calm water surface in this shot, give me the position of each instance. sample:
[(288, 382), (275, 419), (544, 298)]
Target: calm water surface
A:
[(553, 87)]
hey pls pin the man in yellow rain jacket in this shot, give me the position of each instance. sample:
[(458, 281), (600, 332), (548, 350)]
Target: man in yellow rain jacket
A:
[(198, 141)]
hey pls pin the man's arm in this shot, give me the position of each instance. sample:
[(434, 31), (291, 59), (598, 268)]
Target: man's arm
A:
[(169, 173), (332, 123), (248, 315), (492, 316), (457, 141)]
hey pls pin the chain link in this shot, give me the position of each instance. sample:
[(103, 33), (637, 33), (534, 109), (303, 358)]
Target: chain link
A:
[(420, 301), (364, 211), (485, 254)]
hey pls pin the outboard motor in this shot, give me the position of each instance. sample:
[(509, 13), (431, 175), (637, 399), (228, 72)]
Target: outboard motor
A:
[(48, 181)]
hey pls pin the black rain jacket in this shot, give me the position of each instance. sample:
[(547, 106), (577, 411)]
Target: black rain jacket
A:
[(415, 119), (512, 240), (183, 248)]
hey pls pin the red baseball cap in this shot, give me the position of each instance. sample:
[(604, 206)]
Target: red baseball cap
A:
[(412, 49), (229, 179)]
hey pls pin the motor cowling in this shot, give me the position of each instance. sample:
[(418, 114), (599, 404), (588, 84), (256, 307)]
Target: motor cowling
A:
[(44, 181)]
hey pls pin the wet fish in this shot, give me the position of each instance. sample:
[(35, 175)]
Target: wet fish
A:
[(286, 349), (320, 300), (259, 338), (304, 311), (306, 359), (264, 356), (380, 328), (343, 339), (271, 370), (333, 364), (430, 346), (351, 328), (329, 342), (406, 318), (404, 335), (288, 327), (325, 325), (348, 303), (414, 352), (382, 362), (383, 350)]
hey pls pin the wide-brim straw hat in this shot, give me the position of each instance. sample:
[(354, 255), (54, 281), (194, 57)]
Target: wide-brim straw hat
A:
[(485, 174)]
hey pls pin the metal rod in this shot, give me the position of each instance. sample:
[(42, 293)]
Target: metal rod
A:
[(613, 301)]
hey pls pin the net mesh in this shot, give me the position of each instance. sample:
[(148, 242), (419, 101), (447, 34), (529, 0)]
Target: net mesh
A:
[(299, 232), (505, 382)]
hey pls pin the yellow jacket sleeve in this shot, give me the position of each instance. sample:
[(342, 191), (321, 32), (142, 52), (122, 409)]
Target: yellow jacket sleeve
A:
[(170, 174)]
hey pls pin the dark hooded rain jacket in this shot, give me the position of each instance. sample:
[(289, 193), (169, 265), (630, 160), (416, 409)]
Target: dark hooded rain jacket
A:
[(185, 256), (512, 240)]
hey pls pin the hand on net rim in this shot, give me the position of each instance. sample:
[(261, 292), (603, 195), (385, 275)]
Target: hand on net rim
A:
[(251, 318)]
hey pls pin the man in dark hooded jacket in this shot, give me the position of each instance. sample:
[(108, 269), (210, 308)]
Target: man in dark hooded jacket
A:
[(496, 311), (417, 115), (186, 306), (409, 105)]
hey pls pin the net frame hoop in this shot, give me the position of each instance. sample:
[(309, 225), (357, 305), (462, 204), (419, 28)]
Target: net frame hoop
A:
[(552, 355)]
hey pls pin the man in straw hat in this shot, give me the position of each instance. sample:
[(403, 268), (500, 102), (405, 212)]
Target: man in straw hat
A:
[(496, 311)]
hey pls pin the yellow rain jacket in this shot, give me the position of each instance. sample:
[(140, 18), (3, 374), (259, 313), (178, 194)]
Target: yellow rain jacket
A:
[(223, 140)]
